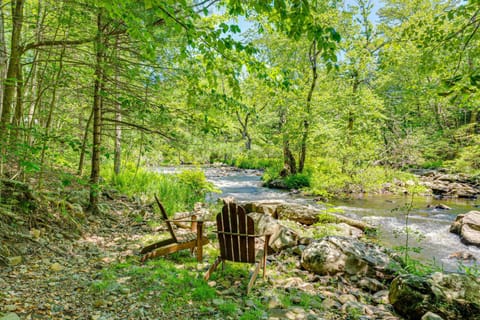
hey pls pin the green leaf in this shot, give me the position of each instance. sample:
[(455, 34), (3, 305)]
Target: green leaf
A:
[(148, 4)]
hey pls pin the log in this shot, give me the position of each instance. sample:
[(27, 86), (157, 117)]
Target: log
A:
[(352, 222)]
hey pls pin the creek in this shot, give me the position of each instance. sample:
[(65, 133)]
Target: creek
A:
[(429, 226)]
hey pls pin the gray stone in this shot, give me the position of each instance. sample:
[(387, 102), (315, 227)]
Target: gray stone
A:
[(370, 284), (381, 297), (330, 303), (354, 307), (281, 237), (333, 255), (266, 207), (344, 298), (431, 316), (346, 230), (307, 215), (451, 296), (274, 303), (468, 227)]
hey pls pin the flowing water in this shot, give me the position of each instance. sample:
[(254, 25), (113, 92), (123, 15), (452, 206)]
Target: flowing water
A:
[(429, 226)]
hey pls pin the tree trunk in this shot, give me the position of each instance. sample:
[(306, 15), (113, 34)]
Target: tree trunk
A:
[(313, 55), (84, 145), (3, 54), (97, 117), (53, 102), (35, 87), (14, 62), (244, 130), (17, 117), (289, 163), (118, 119), (14, 143)]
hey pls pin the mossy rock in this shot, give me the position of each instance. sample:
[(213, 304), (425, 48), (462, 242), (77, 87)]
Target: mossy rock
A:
[(452, 296)]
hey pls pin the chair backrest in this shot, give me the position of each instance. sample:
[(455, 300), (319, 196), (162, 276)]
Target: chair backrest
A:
[(165, 218), (236, 234)]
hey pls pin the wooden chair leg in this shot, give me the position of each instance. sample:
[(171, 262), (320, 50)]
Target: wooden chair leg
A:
[(199, 241), (265, 251), (212, 268)]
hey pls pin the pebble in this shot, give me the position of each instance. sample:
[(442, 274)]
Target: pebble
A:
[(381, 297), (330, 303), (431, 316), (218, 302), (344, 298), (125, 290), (370, 284), (250, 303), (274, 302)]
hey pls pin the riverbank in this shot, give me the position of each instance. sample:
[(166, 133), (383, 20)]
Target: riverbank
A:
[(95, 273)]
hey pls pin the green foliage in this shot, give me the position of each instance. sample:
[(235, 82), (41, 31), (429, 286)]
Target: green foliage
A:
[(202, 291), (468, 160), (435, 164), (228, 308), (178, 192), (326, 218), (251, 315), (271, 173), (329, 179), (471, 270), (413, 266), (297, 181), (197, 184)]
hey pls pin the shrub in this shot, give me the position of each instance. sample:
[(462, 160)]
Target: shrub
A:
[(297, 181), (178, 192)]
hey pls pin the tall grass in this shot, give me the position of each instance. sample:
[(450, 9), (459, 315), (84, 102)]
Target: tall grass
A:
[(178, 192)]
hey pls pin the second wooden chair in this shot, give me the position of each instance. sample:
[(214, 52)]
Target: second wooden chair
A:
[(236, 238), (191, 240)]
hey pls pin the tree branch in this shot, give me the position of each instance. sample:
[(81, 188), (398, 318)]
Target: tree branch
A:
[(56, 43), (142, 128)]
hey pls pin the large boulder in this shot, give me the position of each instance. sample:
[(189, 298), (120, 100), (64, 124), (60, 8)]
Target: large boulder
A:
[(468, 227), (451, 185), (267, 207), (335, 254), (281, 210), (281, 237), (451, 296), (307, 215)]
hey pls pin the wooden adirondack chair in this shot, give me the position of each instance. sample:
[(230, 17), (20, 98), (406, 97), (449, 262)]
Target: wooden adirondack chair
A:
[(236, 238), (191, 240)]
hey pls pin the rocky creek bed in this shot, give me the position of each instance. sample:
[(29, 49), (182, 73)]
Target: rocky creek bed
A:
[(311, 273)]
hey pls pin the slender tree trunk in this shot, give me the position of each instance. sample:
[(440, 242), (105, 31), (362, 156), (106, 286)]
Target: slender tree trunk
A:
[(15, 54), (53, 102), (17, 117), (313, 55), (244, 130), (84, 145), (289, 163), (3, 54), (97, 117), (36, 82), (118, 119)]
